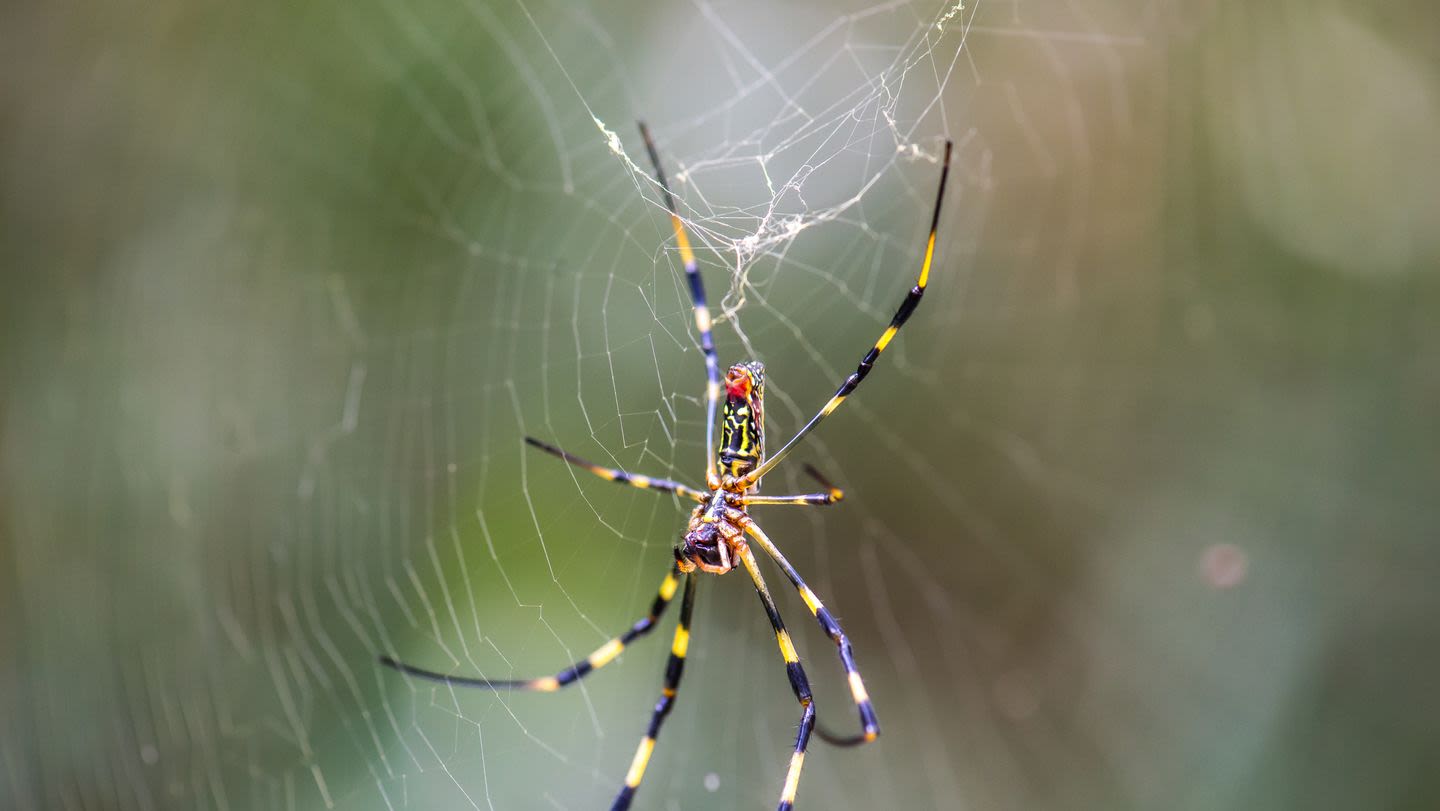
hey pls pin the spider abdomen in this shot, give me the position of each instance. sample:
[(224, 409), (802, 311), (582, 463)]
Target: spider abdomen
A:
[(742, 424)]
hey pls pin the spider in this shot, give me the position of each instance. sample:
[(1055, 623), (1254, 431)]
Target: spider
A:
[(715, 539)]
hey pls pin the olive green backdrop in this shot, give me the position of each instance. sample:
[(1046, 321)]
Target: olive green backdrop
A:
[(1141, 505)]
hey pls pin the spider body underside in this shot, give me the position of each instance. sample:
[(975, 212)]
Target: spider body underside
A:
[(715, 540)]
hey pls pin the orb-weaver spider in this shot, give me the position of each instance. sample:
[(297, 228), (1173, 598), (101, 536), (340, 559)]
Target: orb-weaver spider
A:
[(715, 538)]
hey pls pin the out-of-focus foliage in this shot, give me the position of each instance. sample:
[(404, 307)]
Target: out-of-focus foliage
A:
[(1141, 512)]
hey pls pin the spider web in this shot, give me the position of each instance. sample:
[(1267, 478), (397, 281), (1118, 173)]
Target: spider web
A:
[(270, 422)]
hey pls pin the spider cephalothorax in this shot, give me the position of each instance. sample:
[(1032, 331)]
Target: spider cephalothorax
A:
[(715, 539)]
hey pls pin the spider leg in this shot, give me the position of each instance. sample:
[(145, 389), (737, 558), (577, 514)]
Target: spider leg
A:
[(815, 499), (798, 683), (703, 322), (831, 495), (548, 684), (674, 668), (869, 723), (613, 475), (907, 307)]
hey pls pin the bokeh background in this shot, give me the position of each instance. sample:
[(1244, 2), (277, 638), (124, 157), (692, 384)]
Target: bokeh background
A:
[(1142, 504)]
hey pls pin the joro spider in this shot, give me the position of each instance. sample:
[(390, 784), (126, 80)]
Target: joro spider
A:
[(715, 537)]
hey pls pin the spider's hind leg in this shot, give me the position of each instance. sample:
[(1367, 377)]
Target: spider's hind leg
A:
[(798, 682), (674, 668), (869, 723), (602, 656)]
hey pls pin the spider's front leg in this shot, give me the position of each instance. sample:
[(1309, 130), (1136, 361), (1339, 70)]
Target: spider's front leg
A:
[(832, 494), (611, 474), (704, 324), (906, 309)]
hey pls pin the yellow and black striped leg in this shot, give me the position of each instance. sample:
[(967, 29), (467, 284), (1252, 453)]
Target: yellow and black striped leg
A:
[(907, 307), (674, 668), (869, 723), (703, 321), (613, 475), (831, 495), (798, 683), (548, 684)]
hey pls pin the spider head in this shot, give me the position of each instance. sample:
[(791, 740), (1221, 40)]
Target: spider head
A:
[(706, 546)]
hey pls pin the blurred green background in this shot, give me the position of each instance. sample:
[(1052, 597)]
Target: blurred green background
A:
[(1141, 505)]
